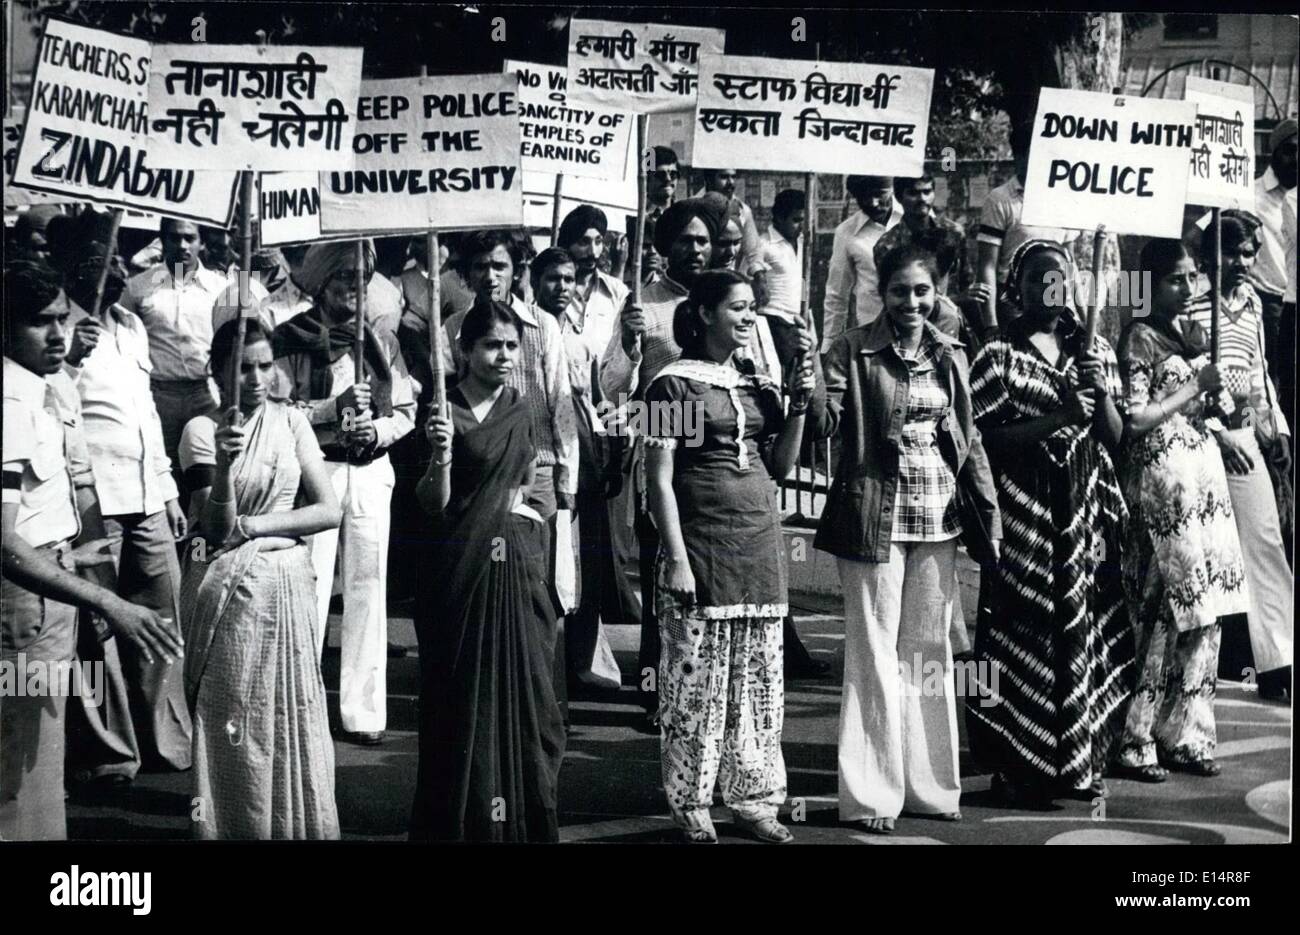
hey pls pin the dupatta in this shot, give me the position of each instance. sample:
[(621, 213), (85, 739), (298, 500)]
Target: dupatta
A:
[(208, 587)]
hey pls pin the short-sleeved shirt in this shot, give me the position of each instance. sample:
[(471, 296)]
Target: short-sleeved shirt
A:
[(37, 470), (1000, 224)]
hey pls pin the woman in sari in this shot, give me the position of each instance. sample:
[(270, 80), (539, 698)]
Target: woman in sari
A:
[(1054, 626), (491, 735), (1182, 562), (263, 758)]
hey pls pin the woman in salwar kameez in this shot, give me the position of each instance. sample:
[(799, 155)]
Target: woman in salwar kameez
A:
[(263, 757), (1183, 566), (1054, 631), (716, 429), (491, 734)]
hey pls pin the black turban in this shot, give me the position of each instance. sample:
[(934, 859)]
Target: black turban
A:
[(675, 220), (578, 221)]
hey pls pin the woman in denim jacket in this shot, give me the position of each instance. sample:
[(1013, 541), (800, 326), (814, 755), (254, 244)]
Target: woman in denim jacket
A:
[(898, 392)]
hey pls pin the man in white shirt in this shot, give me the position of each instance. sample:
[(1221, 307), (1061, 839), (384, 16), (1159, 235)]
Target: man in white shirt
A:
[(174, 300), (109, 365), (1274, 272), (597, 297), (355, 423), (782, 254), (852, 292)]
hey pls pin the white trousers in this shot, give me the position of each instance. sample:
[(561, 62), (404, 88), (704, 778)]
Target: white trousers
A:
[(898, 713), (361, 545), (1269, 583)]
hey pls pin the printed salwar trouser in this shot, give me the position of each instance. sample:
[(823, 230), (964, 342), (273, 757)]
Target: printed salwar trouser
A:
[(722, 700)]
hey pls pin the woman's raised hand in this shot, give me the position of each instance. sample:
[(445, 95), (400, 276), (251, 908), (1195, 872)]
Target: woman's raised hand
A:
[(230, 438), (438, 430)]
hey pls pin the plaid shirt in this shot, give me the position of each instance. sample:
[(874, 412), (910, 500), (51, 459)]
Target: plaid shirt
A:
[(925, 502)]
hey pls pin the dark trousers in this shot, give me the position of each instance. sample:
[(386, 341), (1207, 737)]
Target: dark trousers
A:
[(541, 497), (597, 589)]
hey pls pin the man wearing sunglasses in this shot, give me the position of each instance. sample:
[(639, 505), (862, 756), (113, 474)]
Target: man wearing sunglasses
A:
[(660, 193)]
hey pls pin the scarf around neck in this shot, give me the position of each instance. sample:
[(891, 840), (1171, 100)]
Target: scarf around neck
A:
[(324, 343)]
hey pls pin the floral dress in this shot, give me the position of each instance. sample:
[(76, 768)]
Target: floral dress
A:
[(1183, 566)]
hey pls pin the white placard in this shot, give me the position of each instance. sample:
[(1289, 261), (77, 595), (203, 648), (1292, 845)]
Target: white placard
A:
[(1222, 171), (1106, 160), (86, 131), (438, 153), (645, 67), (557, 135), (288, 207), (264, 108), (799, 116)]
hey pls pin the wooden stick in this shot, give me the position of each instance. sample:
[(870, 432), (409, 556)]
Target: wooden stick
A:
[(810, 209), (1094, 312), (635, 248), (555, 211), (359, 342), (109, 250), (435, 324), (1216, 286), (245, 264)]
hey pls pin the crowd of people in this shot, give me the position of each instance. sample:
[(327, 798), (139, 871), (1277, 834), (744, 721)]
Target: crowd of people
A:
[(188, 524)]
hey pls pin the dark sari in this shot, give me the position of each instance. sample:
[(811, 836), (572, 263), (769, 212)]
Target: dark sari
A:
[(491, 737)]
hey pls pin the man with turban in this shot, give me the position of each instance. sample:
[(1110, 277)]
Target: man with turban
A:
[(355, 423), (640, 347)]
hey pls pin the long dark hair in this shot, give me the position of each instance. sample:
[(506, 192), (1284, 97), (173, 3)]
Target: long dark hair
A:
[(223, 342), (710, 289), (481, 317)]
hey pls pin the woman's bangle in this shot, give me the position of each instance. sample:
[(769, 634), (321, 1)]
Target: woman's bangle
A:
[(437, 463), (239, 527)]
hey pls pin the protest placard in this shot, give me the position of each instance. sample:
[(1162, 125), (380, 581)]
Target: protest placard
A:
[(1103, 160), (20, 197), (1222, 173), (645, 67), (85, 134), (557, 135), (264, 108), (785, 114), (437, 153), (288, 208)]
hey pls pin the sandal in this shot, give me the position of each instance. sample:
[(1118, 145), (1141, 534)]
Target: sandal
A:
[(767, 830), (1205, 767), (876, 825), (949, 816), (1148, 773), (699, 836)]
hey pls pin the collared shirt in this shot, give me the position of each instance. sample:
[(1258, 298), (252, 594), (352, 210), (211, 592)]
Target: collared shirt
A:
[(595, 317), (1274, 269), (925, 500), (953, 236), (178, 318), (784, 262), (621, 373), (852, 273), (294, 370), (38, 467), (542, 378), (1000, 224), (123, 433)]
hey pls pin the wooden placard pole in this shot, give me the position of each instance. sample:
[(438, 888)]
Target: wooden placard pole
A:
[(435, 324), (359, 342), (1216, 287), (110, 248), (555, 211), (1094, 301), (635, 248), (245, 300)]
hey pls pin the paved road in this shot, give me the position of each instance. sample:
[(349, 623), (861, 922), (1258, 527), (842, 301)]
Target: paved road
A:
[(610, 792)]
